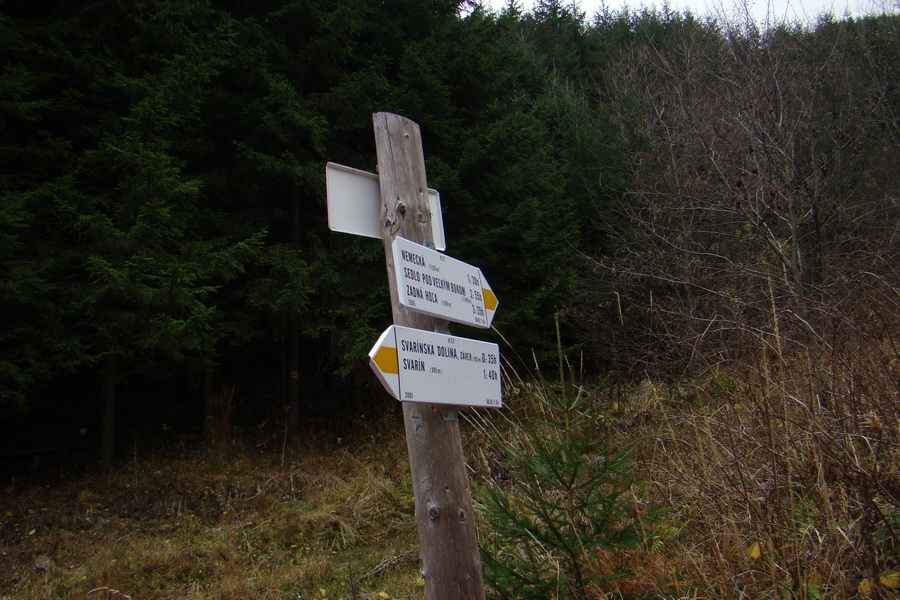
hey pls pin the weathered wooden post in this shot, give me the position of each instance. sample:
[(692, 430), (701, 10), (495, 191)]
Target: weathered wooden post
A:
[(444, 513), (417, 359)]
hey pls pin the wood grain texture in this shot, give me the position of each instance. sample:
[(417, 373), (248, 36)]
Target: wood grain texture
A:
[(444, 513)]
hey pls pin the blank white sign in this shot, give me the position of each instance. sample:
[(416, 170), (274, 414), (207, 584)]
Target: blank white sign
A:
[(354, 204)]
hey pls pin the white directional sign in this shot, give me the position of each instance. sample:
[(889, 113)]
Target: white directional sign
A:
[(441, 286), (354, 204), (421, 366)]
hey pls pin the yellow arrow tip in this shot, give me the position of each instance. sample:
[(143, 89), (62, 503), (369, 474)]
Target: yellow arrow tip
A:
[(490, 300), (386, 359)]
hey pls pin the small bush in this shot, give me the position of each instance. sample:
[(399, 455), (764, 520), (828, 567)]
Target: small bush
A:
[(565, 502)]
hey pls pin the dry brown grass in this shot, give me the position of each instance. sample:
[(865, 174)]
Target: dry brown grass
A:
[(224, 527), (779, 483), (779, 476)]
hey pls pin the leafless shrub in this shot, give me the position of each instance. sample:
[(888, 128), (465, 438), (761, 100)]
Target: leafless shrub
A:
[(765, 182), (756, 270)]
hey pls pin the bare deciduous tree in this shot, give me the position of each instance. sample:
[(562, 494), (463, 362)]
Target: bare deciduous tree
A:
[(761, 230), (767, 183)]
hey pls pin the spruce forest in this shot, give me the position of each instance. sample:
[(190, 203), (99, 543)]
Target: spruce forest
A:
[(692, 225)]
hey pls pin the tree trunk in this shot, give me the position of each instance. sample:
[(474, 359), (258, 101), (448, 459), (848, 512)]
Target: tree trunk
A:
[(109, 383), (293, 384), (451, 563), (208, 415)]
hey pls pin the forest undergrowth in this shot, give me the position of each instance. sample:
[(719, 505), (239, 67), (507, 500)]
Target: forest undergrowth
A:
[(776, 476), (331, 520), (777, 480)]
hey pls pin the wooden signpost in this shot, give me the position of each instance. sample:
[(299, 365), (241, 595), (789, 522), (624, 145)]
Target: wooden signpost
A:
[(442, 287), (431, 371), (418, 366)]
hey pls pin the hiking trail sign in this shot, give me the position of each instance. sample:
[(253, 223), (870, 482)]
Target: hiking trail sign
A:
[(431, 370), (441, 286), (415, 365)]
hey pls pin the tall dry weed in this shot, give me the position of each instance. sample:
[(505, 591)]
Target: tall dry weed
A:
[(783, 469)]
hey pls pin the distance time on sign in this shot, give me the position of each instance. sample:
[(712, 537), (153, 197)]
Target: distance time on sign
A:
[(424, 366), (441, 286)]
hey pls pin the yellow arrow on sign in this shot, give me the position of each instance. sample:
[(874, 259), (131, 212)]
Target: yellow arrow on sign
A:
[(387, 361), (384, 360), (490, 300)]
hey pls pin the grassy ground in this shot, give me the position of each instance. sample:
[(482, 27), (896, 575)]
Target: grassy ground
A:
[(780, 482), (314, 523), (772, 487)]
